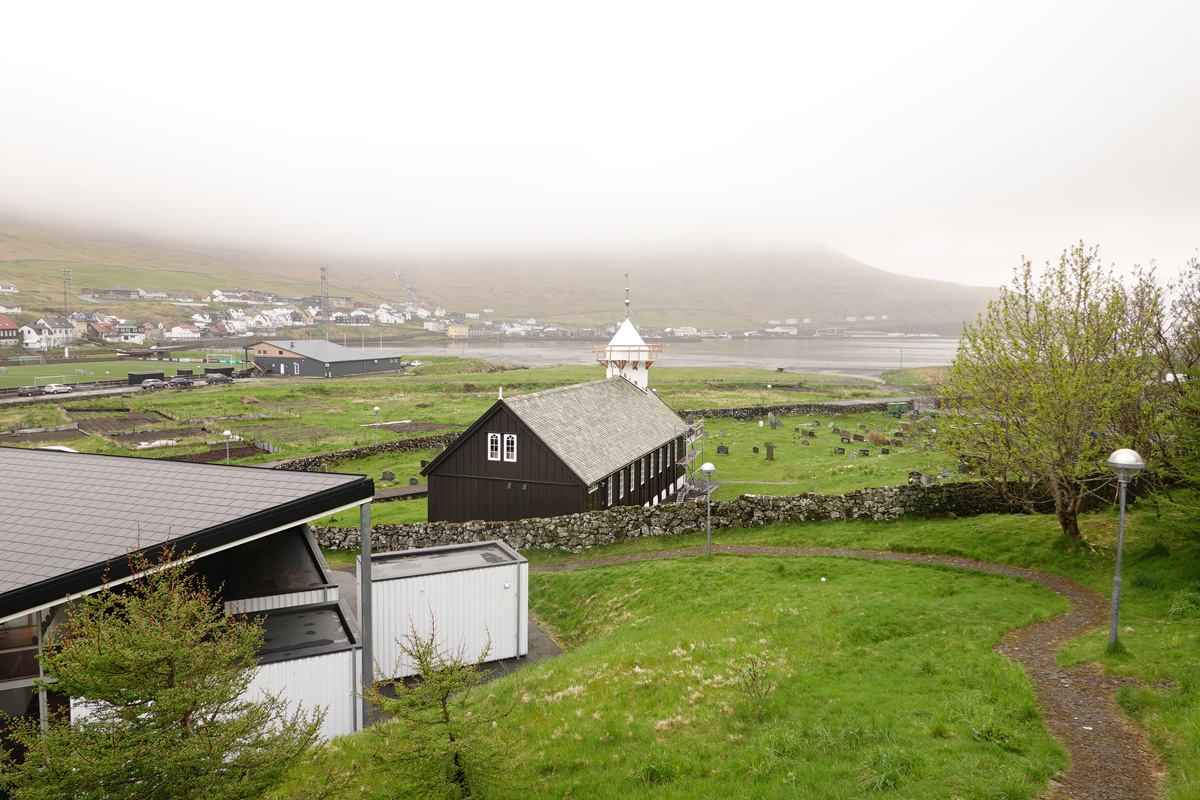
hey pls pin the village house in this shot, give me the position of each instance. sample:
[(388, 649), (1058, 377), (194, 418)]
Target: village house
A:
[(317, 358), (10, 333), (8, 288)]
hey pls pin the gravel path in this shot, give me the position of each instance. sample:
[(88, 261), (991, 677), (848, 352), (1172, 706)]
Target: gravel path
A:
[(1110, 757)]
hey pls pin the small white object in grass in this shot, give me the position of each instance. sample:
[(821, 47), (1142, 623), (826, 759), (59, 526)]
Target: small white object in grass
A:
[(822, 580)]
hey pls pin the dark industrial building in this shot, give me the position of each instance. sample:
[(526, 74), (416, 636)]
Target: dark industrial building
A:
[(576, 448), (317, 358)]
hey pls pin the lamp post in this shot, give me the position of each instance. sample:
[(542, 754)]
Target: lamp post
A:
[(768, 397), (376, 426), (901, 372), (708, 469), (1125, 464), (226, 434)]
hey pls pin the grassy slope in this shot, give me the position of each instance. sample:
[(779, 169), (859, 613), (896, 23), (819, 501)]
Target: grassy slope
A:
[(726, 290)]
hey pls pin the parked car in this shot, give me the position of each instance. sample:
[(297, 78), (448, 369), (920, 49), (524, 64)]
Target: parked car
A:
[(57, 388), (217, 377), (243, 373), (30, 391), (150, 384), (179, 383)]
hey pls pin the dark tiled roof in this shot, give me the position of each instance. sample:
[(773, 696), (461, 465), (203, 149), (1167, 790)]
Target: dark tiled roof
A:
[(596, 428), (68, 512)]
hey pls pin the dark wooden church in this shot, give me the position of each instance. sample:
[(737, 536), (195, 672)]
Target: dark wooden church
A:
[(576, 448)]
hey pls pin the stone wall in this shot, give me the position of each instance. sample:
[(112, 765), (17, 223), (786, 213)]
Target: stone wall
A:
[(314, 463), (760, 412), (576, 532)]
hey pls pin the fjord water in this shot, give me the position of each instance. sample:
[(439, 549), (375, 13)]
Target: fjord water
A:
[(861, 357)]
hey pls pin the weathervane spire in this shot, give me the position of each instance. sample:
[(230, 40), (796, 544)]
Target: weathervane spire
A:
[(626, 295)]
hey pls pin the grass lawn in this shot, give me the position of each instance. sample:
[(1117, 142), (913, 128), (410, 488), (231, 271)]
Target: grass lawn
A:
[(885, 671)]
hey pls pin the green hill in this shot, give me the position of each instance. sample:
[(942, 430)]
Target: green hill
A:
[(718, 288)]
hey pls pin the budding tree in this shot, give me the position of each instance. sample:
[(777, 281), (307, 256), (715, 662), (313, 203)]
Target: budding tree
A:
[(1053, 377)]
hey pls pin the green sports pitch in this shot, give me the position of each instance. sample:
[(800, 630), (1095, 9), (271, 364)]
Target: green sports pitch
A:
[(13, 373)]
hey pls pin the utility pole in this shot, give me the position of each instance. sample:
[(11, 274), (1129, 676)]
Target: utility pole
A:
[(325, 297), (66, 278)]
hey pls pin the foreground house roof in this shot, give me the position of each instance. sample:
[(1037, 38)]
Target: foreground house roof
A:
[(71, 520)]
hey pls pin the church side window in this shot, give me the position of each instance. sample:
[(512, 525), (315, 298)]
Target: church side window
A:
[(642, 469), (510, 447), (493, 447), (621, 484), (610, 485)]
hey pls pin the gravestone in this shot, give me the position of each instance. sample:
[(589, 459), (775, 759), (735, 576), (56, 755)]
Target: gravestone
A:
[(797, 429), (771, 420), (760, 423), (928, 447), (837, 451), (754, 449), (413, 481), (964, 467), (885, 451), (424, 463), (864, 452), (721, 433), (858, 437), (845, 440), (388, 475), (722, 450), (324, 468), (804, 442), (862, 427), (853, 455), (944, 473), (770, 450)]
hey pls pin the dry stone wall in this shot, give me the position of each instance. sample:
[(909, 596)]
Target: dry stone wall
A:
[(576, 532), (314, 463), (759, 412)]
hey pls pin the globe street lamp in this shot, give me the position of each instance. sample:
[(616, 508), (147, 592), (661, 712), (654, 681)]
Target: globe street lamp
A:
[(227, 434), (708, 469), (376, 426), (1125, 464), (768, 397)]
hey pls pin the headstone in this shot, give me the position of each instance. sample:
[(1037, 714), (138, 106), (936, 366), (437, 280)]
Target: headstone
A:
[(837, 451), (721, 433), (914, 475), (771, 420), (722, 450), (797, 429), (413, 481), (388, 475), (760, 423), (324, 468), (755, 449), (928, 447), (964, 467), (944, 473), (885, 451), (864, 452), (770, 450), (853, 455), (424, 463), (804, 442), (858, 437), (845, 440), (831, 424)]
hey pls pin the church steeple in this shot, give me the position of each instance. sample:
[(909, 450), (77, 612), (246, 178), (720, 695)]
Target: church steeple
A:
[(627, 354)]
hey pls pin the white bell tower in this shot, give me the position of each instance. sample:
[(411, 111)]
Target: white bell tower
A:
[(627, 354)]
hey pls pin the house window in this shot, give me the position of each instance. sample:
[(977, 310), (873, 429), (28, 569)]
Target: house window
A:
[(642, 469), (662, 456), (510, 447), (610, 484), (493, 447), (621, 484)]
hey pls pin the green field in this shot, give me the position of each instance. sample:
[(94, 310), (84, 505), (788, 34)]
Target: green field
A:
[(886, 681)]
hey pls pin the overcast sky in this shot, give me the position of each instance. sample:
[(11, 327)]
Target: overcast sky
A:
[(940, 140)]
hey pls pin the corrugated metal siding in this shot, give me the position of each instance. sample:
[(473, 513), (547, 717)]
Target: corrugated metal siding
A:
[(326, 594), (467, 607), (329, 681)]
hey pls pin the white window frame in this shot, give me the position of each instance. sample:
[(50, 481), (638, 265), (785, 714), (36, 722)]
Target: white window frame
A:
[(493, 444), (610, 489), (621, 483), (510, 447), (642, 469)]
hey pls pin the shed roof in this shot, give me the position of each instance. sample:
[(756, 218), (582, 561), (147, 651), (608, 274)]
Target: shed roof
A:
[(70, 517), (596, 428), (322, 350)]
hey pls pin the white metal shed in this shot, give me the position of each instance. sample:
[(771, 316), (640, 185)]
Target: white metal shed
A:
[(477, 595)]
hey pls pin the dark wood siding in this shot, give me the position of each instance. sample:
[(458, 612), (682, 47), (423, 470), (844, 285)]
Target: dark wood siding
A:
[(465, 485)]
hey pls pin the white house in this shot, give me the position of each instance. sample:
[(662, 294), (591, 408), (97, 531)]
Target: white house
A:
[(8, 288), (182, 333)]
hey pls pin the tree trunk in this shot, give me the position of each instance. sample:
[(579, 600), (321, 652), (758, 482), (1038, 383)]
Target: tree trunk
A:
[(1066, 508)]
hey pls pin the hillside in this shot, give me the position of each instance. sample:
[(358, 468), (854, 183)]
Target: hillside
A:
[(723, 289)]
